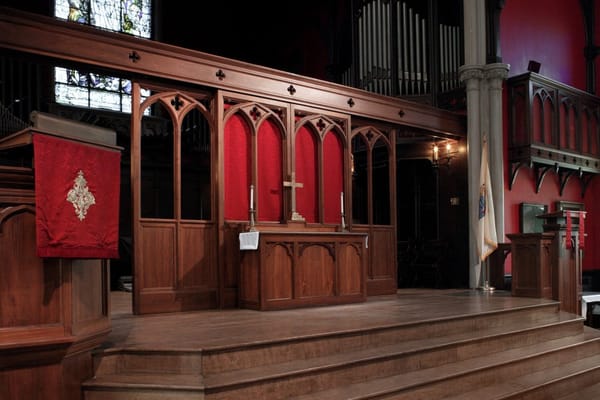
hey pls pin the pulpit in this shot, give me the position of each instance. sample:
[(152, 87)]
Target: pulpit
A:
[(548, 264), (54, 310), (299, 269)]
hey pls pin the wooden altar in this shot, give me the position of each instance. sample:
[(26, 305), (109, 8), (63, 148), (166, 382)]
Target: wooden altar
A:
[(53, 311), (298, 269)]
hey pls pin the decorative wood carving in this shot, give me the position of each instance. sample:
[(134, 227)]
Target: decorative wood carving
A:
[(552, 127)]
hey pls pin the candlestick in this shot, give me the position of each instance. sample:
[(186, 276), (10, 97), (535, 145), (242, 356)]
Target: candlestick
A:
[(342, 211), (252, 211)]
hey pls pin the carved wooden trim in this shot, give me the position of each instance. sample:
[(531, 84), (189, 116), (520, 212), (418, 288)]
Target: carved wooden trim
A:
[(330, 247), (8, 212), (46, 36)]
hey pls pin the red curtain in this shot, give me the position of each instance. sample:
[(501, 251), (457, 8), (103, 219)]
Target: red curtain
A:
[(306, 173), (237, 168), (77, 199), (270, 174), (333, 167)]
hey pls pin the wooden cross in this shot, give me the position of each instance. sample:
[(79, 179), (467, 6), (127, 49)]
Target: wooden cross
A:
[(292, 184)]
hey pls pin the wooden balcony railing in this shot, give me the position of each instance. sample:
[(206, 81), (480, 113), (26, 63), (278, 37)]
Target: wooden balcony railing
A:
[(552, 126)]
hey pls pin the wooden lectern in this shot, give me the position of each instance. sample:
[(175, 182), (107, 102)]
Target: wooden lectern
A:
[(53, 311), (548, 264)]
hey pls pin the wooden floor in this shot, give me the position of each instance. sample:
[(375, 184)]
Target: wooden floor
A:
[(420, 344), (233, 327)]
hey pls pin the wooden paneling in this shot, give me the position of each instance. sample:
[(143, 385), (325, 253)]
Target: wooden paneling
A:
[(542, 266), (278, 273), (350, 256), (53, 312), (90, 288), (176, 277), (532, 264), (230, 265), (315, 270), (381, 264), (198, 267), (295, 269), (157, 242), (41, 382), (29, 293), (381, 244)]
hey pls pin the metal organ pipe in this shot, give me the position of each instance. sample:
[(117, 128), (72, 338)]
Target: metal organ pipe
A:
[(404, 49), (424, 48), (376, 38)]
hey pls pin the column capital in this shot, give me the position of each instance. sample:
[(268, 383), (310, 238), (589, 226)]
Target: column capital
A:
[(470, 72), (496, 71)]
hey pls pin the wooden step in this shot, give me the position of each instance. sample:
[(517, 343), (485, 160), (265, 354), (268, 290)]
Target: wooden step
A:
[(132, 386), (487, 377), (323, 363), (231, 358), (591, 391), (413, 377), (520, 351), (219, 359), (427, 352), (544, 384)]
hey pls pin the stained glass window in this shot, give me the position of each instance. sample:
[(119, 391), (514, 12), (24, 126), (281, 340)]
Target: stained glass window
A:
[(92, 90)]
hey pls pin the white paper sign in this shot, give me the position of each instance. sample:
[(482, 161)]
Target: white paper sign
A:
[(249, 240)]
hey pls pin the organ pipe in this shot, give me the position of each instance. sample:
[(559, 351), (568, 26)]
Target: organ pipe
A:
[(377, 35)]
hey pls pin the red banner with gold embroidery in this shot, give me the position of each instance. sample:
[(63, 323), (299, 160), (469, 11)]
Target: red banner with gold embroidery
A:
[(77, 198)]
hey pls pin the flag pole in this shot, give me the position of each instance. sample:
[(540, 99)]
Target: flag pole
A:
[(486, 282), (487, 241)]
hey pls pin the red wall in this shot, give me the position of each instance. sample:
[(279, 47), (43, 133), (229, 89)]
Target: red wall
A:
[(548, 31), (552, 33)]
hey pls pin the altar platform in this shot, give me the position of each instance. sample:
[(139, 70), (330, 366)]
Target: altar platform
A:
[(419, 343), (230, 327)]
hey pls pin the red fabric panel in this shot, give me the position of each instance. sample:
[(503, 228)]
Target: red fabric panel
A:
[(306, 173), (333, 167), (270, 182), (77, 199), (237, 168)]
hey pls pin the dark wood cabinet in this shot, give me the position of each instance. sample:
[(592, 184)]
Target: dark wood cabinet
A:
[(548, 264), (532, 264)]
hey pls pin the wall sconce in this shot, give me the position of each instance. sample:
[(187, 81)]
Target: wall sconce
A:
[(444, 155)]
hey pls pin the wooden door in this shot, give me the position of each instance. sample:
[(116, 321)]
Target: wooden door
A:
[(174, 230)]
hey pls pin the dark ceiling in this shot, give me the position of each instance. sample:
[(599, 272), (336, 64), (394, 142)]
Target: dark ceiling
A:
[(307, 37)]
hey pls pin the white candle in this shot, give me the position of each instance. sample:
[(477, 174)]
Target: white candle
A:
[(251, 197), (342, 202)]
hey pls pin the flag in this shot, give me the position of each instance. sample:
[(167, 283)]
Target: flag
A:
[(487, 237)]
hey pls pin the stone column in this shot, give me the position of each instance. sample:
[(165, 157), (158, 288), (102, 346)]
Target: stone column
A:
[(472, 75), (495, 74), (484, 119)]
